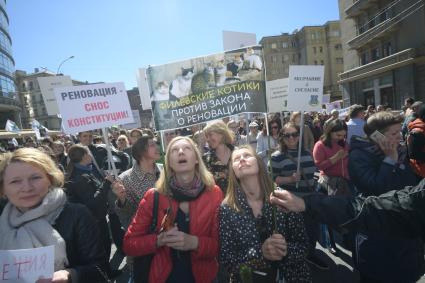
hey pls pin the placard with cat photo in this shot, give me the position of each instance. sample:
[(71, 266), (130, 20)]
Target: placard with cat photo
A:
[(207, 88)]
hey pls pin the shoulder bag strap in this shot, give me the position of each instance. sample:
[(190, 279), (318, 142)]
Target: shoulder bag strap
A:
[(155, 212)]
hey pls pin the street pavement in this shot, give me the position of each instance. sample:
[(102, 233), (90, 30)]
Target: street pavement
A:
[(340, 267)]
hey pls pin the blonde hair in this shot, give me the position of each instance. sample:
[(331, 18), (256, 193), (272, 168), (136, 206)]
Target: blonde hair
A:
[(36, 158), (221, 128), (200, 169), (266, 184)]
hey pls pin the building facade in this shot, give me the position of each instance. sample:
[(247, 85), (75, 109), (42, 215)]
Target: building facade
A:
[(33, 106), (312, 45), (384, 48), (136, 104), (10, 106)]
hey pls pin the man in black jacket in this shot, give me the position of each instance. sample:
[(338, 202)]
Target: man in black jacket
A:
[(399, 213)]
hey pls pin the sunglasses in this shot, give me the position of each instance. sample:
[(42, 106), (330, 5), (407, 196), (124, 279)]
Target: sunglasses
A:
[(294, 135)]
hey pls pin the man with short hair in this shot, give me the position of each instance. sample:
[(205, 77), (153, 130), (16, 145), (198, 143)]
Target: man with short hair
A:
[(234, 127), (356, 123)]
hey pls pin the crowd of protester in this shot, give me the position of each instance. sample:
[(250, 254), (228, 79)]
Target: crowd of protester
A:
[(200, 201)]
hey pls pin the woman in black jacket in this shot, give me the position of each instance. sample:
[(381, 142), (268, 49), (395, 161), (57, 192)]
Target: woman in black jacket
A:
[(38, 214), (83, 186)]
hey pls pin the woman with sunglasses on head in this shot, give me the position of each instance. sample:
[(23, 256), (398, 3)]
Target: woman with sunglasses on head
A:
[(284, 172), (185, 247), (220, 141), (247, 236)]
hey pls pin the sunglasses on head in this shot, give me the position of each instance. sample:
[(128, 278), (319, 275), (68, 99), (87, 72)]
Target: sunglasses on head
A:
[(294, 135)]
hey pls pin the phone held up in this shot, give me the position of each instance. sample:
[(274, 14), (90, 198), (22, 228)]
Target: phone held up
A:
[(377, 136)]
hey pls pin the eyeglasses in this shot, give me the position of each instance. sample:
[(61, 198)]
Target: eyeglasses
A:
[(294, 135)]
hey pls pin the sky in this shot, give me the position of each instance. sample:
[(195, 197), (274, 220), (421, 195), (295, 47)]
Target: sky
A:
[(110, 39)]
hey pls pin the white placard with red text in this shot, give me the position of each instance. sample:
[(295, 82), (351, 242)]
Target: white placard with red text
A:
[(95, 106), (26, 265)]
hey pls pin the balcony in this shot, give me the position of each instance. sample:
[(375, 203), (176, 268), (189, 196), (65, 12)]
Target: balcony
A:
[(386, 25), (358, 7), (389, 63)]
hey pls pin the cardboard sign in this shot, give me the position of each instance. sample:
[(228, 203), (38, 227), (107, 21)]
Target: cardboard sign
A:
[(137, 122), (142, 83), (89, 107), (47, 86), (277, 95), (26, 265), (207, 88), (305, 88)]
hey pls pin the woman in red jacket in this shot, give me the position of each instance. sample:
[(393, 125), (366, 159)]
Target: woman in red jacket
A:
[(185, 247)]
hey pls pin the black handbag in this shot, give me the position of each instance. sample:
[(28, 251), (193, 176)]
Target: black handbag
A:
[(142, 264)]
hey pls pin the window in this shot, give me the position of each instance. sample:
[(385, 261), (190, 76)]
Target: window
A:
[(285, 58), (315, 62), (339, 60), (313, 36), (321, 49), (335, 33), (387, 49), (314, 50), (293, 43), (321, 62), (274, 58), (31, 85), (285, 44), (294, 58), (24, 88), (338, 46), (364, 58), (273, 45), (375, 54)]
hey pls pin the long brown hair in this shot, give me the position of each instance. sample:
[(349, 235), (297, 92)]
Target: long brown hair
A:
[(283, 147), (266, 183)]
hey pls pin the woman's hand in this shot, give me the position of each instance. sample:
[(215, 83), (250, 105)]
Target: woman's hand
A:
[(61, 276), (296, 176), (275, 247), (177, 240), (389, 148), (287, 201), (119, 190), (339, 155)]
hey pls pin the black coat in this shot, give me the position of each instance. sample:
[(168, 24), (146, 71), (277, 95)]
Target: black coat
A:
[(85, 254), (398, 213), (83, 187)]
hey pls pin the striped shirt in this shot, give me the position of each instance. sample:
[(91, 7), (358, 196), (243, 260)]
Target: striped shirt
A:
[(284, 166)]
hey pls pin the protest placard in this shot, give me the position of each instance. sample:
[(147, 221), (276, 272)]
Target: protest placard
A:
[(95, 106), (305, 88), (137, 122), (26, 265), (47, 86), (207, 88), (277, 95), (142, 83)]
